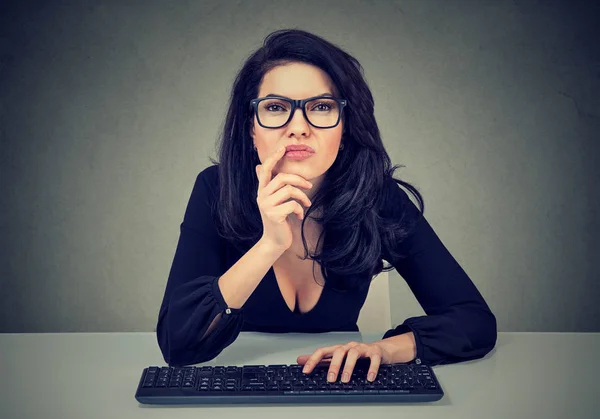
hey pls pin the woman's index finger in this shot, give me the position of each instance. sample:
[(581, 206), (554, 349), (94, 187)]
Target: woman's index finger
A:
[(267, 168)]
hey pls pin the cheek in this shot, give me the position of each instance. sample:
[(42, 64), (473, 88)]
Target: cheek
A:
[(333, 147), (266, 142)]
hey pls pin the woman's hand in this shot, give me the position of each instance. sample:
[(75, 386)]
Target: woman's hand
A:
[(352, 351), (272, 196)]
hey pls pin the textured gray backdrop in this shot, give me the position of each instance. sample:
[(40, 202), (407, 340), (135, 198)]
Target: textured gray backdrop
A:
[(110, 109)]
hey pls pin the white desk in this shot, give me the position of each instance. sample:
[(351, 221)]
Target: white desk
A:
[(95, 375)]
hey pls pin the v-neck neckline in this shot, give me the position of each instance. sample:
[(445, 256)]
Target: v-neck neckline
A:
[(296, 311)]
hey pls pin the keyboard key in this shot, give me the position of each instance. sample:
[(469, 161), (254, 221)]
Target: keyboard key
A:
[(254, 370)]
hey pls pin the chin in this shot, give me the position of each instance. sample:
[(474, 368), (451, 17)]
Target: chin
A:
[(293, 167)]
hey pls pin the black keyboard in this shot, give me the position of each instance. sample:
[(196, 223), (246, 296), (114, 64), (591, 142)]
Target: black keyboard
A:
[(396, 383)]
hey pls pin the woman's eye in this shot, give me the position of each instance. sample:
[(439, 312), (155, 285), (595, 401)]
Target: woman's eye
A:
[(274, 107), (322, 107)]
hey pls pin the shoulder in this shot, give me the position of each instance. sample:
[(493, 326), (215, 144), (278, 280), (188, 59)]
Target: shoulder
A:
[(207, 181), (200, 210), (205, 192), (209, 175), (393, 196), (395, 201)]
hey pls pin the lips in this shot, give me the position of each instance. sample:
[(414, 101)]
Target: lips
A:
[(299, 147)]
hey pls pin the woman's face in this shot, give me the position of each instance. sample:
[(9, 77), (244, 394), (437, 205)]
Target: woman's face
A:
[(298, 81)]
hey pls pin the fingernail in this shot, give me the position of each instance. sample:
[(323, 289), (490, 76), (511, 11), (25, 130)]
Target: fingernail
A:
[(371, 376), (331, 377), (305, 369), (345, 377)]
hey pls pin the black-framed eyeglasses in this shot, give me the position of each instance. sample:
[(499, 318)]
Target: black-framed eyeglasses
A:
[(277, 111)]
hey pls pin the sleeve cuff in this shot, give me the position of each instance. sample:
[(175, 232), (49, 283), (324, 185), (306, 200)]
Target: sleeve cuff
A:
[(406, 328), (221, 301)]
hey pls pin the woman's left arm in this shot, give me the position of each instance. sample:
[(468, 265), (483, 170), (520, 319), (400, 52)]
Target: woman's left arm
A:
[(459, 324)]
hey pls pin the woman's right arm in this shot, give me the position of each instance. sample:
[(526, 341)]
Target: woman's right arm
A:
[(201, 314), (239, 282)]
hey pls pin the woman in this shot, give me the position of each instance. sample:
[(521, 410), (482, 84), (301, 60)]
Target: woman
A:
[(287, 231)]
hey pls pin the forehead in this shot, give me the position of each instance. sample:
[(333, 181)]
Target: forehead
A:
[(296, 81)]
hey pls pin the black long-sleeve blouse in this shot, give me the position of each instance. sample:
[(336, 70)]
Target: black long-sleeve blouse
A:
[(458, 324)]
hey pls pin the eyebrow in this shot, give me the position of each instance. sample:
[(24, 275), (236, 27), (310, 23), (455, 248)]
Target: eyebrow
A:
[(275, 94)]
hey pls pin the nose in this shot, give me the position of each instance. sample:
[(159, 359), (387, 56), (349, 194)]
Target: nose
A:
[(298, 124)]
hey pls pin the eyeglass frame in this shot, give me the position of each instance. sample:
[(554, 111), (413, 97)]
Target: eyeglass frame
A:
[(298, 103)]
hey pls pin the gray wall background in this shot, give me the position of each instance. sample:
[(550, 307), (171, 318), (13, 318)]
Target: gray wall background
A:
[(110, 109)]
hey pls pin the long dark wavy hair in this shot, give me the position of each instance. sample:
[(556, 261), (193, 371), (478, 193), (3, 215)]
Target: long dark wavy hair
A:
[(351, 191)]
